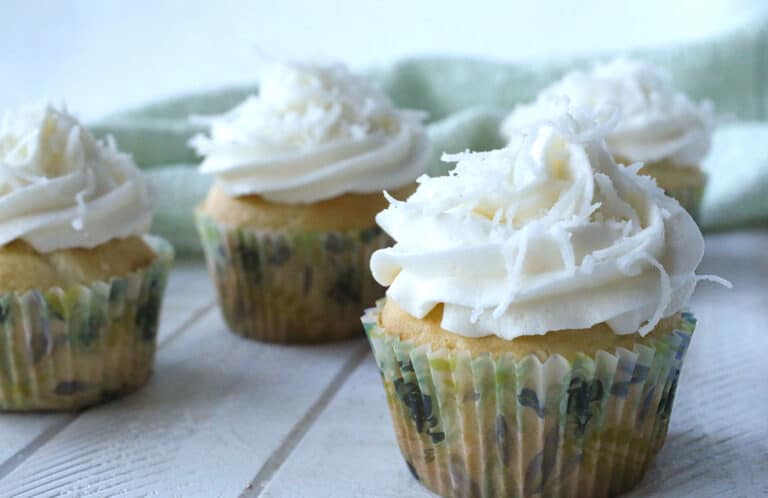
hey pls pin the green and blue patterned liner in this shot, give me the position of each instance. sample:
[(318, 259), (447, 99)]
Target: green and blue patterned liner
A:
[(496, 425), (291, 287), (68, 348)]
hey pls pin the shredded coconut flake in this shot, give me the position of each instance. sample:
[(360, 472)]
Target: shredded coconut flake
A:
[(665, 296), (715, 279), (80, 199)]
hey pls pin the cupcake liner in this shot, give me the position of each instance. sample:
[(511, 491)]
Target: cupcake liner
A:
[(290, 287), (66, 348), (486, 426)]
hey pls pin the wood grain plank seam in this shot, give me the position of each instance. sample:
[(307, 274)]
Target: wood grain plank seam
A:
[(259, 483), (187, 324), (14, 461), (20, 456)]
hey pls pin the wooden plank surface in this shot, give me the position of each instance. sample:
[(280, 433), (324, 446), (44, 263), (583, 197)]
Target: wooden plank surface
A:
[(718, 440), (188, 288), (228, 417), (353, 442), (218, 407)]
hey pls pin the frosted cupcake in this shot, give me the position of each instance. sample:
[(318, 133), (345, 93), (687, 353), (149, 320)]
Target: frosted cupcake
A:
[(288, 227), (658, 125), (533, 331), (80, 281)]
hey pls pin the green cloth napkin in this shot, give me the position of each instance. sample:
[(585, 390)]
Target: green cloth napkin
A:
[(466, 100)]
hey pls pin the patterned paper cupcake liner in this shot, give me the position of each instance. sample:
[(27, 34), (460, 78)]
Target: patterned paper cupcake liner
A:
[(290, 287), (487, 426), (68, 348)]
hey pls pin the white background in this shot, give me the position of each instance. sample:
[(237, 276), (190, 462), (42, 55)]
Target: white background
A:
[(101, 56)]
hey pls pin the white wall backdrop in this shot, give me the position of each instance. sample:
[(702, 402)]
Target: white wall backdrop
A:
[(101, 56)]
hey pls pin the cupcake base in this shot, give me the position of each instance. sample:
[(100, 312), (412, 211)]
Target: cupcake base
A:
[(496, 425), (68, 348), (685, 184), (286, 287)]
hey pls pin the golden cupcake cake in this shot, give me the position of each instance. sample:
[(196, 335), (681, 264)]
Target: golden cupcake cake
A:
[(81, 282), (657, 125), (534, 326), (288, 227)]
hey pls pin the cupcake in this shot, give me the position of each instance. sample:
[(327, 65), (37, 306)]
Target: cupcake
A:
[(288, 226), (657, 125), (534, 329), (80, 281)]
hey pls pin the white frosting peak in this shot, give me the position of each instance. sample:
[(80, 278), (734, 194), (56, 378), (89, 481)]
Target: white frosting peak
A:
[(546, 234), (314, 132), (61, 188), (656, 121)]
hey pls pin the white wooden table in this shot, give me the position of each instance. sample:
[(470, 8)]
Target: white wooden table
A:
[(228, 417)]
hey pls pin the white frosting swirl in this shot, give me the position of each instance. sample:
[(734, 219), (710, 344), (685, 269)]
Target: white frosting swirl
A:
[(313, 132), (546, 235), (61, 188), (657, 122)]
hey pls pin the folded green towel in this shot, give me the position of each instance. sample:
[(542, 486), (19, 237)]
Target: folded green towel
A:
[(466, 100), (737, 192)]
